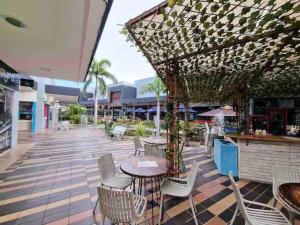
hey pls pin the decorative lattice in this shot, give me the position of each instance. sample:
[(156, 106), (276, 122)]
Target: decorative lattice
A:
[(219, 44)]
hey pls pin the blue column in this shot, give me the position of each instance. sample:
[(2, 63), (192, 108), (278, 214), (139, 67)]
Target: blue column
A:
[(33, 120)]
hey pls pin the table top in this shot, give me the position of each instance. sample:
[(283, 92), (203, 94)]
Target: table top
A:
[(290, 193), (156, 140), (131, 167)]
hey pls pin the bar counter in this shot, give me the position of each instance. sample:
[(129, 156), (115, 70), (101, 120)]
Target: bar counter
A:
[(257, 154)]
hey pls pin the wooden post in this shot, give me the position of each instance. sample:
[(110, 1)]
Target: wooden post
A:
[(172, 118)]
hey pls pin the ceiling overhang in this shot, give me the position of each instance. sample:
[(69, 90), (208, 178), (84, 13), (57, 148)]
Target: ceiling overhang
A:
[(59, 37)]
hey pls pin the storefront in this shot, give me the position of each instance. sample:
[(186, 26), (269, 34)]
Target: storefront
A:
[(276, 115), (9, 86)]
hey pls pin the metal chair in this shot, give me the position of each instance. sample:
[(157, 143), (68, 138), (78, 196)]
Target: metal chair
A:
[(139, 148), (282, 175), (180, 188), (267, 215), (154, 150), (121, 206), (181, 162), (109, 176)]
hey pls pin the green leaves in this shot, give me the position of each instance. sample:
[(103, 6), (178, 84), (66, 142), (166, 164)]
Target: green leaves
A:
[(287, 6), (198, 6), (245, 10), (169, 23), (230, 17), (171, 3), (297, 9), (214, 7)]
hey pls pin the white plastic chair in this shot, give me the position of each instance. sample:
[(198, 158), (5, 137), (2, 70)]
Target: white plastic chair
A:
[(118, 132), (139, 148), (268, 215), (282, 175), (121, 206), (153, 150), (180, 188), (110, 176), (181, 161)]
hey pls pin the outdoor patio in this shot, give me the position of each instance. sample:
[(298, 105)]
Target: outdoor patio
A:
[(55, 182)]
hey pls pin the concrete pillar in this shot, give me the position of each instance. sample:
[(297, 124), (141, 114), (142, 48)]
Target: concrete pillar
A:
[(148, 114), (39, 119), (15, 119), (251, 106), (55, 115)]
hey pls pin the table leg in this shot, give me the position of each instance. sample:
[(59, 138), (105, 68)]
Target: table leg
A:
[(140, 186), (152, 201), (291, 217), (134, 185)]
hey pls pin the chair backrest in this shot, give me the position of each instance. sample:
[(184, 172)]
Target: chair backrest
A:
[(239, 198), (153, 150), (116, 205), (123, 129), (181, 146), (120, 129), (193, 174), (137, 143), (284, 174), (107, 168)]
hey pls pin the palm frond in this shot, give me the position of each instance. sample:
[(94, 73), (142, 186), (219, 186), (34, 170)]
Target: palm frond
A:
[(102, 86), (87, 83), (104, 63), (108, 75)]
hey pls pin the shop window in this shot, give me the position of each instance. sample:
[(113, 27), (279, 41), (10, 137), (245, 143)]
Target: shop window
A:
[(25, 111)]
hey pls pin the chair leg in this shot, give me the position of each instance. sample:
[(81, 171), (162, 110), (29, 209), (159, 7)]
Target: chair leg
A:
[(291, 217), (194, 205), (161, 209), (94, 210), (146, 221), (193, 210), (102, 219), (234, 215), (135, 152)]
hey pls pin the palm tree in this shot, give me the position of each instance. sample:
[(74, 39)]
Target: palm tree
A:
[(157, 87), (98, 73)]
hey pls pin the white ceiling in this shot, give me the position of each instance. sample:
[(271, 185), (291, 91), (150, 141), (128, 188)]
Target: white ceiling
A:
[(59, 35)]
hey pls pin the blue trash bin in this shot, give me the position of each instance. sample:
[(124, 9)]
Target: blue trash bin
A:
[(226, 157)]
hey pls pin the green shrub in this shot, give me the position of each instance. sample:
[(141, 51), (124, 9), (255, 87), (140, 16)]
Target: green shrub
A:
[(140, 129), (149, 124), (75, 119), (73, 113)]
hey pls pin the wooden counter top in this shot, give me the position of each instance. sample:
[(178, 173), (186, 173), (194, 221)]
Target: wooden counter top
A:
[(268, 138)]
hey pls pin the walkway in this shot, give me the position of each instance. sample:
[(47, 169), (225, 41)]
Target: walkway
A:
[(55, 183)]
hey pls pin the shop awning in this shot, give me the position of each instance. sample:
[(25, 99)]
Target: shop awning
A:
[(55, 39), (220, 111), (154, 109), (140, 110)]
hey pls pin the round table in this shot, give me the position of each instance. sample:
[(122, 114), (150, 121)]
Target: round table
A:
[(290, 194), (136, 168), (156, 140)]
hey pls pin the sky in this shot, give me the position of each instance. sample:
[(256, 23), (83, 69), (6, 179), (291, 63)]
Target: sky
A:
[(127, 64)]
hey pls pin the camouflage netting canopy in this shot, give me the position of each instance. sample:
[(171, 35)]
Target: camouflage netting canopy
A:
[(219, 46)]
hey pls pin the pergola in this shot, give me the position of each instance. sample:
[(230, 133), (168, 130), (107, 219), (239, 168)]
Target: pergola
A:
[(216, 50)]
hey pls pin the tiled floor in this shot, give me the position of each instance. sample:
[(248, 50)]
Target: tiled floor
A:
[(55, 183)]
